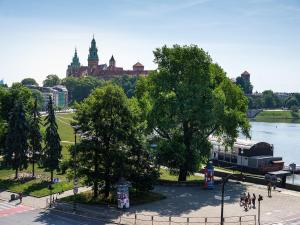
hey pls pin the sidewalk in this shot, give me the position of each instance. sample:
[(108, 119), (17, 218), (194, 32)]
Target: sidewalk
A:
[(38, 203)]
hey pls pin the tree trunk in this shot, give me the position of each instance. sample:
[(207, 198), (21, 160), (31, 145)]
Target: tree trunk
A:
[(182, 174), (33, 164), (95, 188), (17, 173), (51, 177), (107, 182)]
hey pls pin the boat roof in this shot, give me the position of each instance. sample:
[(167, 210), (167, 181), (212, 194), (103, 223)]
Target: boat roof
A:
[(238, 142)]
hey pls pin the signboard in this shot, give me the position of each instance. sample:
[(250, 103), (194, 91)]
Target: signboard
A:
[(123, 196)]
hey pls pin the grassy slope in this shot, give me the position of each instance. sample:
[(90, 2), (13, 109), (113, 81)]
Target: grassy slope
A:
[(166, 176), (277, 116), (39, 187)]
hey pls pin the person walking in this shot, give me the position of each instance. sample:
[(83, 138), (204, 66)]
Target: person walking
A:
[(249, 200), (269, 190), (20, 196), (253, 201)]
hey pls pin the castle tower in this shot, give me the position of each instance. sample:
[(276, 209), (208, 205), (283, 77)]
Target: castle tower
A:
[(93, 59), (73, 68), (246, 75), (112, 62), (75, 61)]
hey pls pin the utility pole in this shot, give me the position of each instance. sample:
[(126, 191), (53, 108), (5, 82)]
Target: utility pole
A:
[(222, 201)]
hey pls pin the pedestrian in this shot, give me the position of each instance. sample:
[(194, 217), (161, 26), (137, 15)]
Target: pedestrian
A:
[(249, 200), (269, 189), (253, 201), (20, 196)]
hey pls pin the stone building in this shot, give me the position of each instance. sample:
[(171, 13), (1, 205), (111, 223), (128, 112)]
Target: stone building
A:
[(101, 70)]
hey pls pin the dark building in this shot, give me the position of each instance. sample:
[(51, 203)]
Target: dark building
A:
[(101, 70), (246, 75)]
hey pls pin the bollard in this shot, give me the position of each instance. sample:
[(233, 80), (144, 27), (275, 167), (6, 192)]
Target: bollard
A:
[(240, 220), (152, 219), (170, 220), (188, 220), (205, 221), (135, 218)]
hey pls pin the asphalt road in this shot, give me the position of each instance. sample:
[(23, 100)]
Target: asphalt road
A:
[(41, 217)]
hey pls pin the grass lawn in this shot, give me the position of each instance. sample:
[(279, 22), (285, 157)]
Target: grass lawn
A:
[(285, 116), (135, 198), (166, 176), (39, 187)]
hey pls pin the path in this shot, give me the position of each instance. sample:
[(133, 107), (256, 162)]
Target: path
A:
[(39, 202)]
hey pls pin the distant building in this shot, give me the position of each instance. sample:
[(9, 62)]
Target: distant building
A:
[(59, 95), (101, 70), (246, 75)]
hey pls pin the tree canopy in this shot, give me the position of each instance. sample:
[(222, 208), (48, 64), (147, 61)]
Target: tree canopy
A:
[(113, 140), (51, 80), (190, 98), (29, 81), (244, 84)]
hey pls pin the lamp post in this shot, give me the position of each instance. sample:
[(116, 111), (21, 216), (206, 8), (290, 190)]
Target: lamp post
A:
[(242, 154), (75, 189), (260, 198), (224, 180)]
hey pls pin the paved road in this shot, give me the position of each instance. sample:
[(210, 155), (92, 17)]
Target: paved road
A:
[(41, 217)]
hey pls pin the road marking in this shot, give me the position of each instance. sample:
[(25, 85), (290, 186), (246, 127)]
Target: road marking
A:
[(7, 209)]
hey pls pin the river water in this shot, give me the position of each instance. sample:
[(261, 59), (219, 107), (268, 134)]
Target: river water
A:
[(286, 140)]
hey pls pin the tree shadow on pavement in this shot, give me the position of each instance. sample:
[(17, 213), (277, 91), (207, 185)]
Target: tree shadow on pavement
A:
[(183, 200)]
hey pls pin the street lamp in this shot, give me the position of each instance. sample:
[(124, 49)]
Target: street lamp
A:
[(242, 153), (224, 180), (75, 189), (260, 198)]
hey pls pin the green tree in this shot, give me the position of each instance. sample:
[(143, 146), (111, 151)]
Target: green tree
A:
[(16, 150), (191, 98), (127, 83), (111, 121), (244, 84), (80, 87), (35, 135), (51, 80), (270, 100), (52, 149), (37, 95), (291, 101), (29, 81)]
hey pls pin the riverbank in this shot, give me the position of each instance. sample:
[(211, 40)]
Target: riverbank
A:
[(277, 116)]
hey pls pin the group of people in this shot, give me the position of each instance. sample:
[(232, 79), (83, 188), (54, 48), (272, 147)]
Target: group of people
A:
[(247, 201)]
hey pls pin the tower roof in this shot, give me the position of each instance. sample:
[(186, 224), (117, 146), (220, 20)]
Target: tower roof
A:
[(112, 58), (245, 73), (93, 51), (75, 60), (138, 64)]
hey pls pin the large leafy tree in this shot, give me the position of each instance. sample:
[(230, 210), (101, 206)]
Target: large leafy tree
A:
[(80, 87), (52, 149), (35, 135), (29, 81), (110, 121), (191, 98), (16, 150), (51, 80)]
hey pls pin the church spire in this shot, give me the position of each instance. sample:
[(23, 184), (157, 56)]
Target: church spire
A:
[(112, 62), (75, 61), (93, 54)]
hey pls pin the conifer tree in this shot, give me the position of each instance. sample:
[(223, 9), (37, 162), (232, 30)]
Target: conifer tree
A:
[(52, 150), (16, 140), (35, 135)]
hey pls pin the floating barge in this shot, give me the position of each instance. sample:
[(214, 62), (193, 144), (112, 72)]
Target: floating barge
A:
[(247, 155)]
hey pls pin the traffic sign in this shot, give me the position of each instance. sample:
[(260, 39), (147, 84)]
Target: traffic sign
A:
[(56, 180)]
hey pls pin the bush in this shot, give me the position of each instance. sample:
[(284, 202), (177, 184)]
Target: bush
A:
[(64, 165)]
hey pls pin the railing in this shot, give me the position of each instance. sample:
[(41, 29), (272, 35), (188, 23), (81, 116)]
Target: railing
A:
[(121, 218), (134, 219)]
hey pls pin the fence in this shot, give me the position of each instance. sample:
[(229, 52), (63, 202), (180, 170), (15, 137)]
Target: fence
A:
[(137, 219), (121, 218)]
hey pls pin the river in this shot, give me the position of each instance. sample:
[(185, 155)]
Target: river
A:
[(284, 136)]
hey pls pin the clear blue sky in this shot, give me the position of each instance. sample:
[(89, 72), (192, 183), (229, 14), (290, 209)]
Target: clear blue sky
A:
[(261, 36)]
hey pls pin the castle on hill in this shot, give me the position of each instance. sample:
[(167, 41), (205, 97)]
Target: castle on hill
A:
[(101, 70)]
